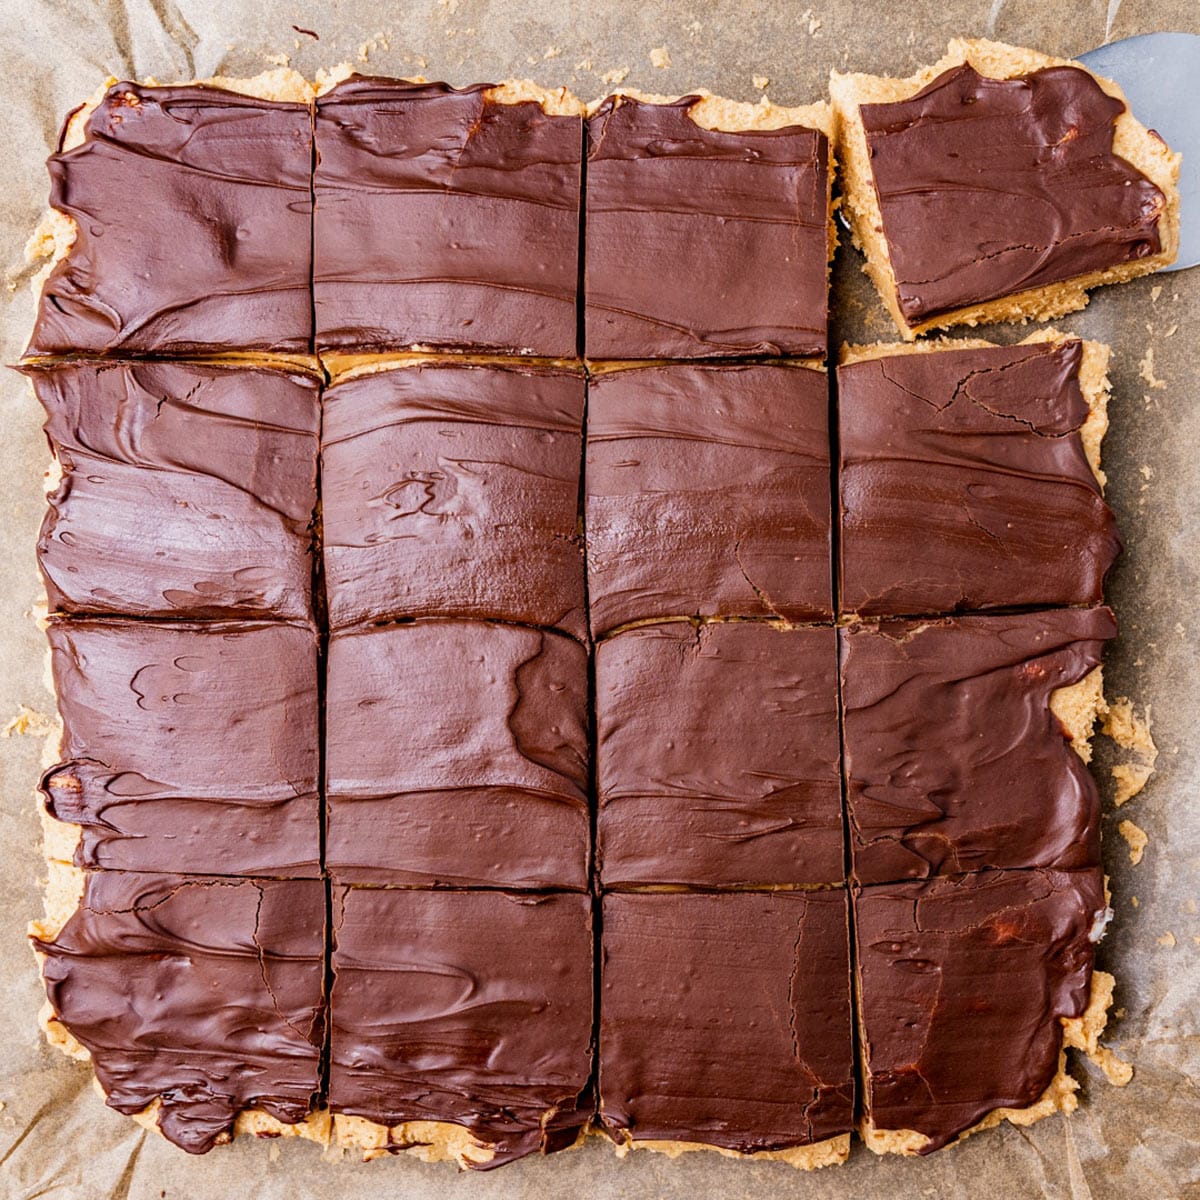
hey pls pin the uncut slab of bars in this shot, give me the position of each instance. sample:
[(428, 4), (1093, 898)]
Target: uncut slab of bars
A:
[(483, 718)]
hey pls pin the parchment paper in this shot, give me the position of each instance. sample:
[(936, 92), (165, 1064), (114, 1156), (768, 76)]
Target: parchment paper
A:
[(56, 1136)]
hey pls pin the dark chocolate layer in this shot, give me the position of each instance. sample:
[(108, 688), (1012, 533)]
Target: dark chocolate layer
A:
[(962, 984), (726, 1019), (444, 218), (703, 243), (964, 483), (718, 756), (188, 748), (707, 493), (453, 490), (953, 760), (989, 187), (187, 490), (456, 753), (205, 994), (470, 1007), (194, 217)]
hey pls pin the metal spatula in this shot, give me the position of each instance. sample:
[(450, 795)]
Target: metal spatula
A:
[(1160, 73)]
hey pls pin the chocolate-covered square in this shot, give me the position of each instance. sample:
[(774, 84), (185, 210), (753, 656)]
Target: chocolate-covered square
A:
[(726, 1019), (188, 748), (452, 490), (187, 490), (473, 1008), (717, 755), (206, 995), (445, 217), (707, 493), (992, 187), (193, 226), (456, 754), (954, 758), (703, 242), (963, 984), (965, 484)]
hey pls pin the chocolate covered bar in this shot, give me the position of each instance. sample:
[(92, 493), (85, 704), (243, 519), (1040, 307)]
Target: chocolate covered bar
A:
[(456, 754), (708, 229), (452, 489), (970, 476), (1000, 184), (707, 493), (717, 756), (461, 1022), (725, 1023)]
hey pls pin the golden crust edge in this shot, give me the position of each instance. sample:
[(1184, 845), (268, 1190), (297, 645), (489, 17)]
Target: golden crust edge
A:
[(1132, 141), (812, 1157)]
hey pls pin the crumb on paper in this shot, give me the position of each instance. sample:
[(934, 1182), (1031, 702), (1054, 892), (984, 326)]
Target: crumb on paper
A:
[(1167, 939), (552, 52), (280, 60), (1146, 471), (616, 75), (1189, 905), (761, 82), (584, 64), (1170, 331), (814, 22), (1136, 838), (1155, 292), (1135, 901), (694, 28), (28, 723), (660, 57), (1146, 371), (371, 45), (1131, 732), (451, 6)]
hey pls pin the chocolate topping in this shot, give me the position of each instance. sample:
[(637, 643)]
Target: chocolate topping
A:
[(700, 242), (989, 187), (962, 983), (953, 759), (964, 483), (471, 1007), (187, 490), (725, 1019), (454, 491), (445, 218), (456, 753), (708, 493), (193, 213), (205, 994), (718, 756), (188, 748)]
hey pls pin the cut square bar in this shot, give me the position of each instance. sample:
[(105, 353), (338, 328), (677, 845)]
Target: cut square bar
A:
[(708, 493), (462, 1022), (184, 226), (966, 739), (456, 754), (970, 476), (452, 490), (965, 986), (187, 490), (725, 1023), (199, 1001), (1000, 184), (708, 229), (718, 756), (447, 217), (159, 775)]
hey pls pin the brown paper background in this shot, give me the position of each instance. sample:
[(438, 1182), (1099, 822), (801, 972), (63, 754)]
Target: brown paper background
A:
[(57, 1138)]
